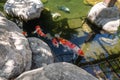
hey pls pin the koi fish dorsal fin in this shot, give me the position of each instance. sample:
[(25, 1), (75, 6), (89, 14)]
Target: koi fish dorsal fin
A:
[(62, 41), (37, 27)]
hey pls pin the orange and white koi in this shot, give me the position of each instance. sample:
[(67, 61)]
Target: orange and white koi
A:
[(69, 45), (39, 31)]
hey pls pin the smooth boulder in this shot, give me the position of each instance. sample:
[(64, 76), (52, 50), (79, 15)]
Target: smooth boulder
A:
[(24, 9), (106, 17), (41, 53), (15, 53), (57, 71)]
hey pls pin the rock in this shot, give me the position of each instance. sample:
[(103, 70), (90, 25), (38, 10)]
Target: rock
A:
[(1, 78), (57, 71), (41, 53), (15, 54), (24, 9), (105, 17), (110, 41)]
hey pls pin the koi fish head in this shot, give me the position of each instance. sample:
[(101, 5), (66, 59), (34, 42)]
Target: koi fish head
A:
[(80, 52), (37, 27), (55, 42)]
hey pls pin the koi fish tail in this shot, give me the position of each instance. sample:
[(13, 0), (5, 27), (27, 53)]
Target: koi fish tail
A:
[(48, 36), (74, 56), (80, 52), (24, 33)]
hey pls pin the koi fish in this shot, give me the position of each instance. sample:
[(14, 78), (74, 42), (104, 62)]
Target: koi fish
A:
[(69, 45), (57, 40), (39, 31)]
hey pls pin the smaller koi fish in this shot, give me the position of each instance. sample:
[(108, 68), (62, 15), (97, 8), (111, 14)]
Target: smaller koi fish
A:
[(39, 31)]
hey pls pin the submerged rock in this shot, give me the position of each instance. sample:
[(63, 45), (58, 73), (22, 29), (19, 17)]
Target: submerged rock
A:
[(57, 71), (41, 53), (64, 8), (15, 54)]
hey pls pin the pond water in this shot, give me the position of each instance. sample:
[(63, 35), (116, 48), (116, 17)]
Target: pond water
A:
[(93, 50), (96, 46)]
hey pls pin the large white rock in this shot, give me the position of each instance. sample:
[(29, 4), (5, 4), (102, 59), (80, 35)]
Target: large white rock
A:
[(106, 17), (15, 54), (41, 53), (57, 71), (24, 9)]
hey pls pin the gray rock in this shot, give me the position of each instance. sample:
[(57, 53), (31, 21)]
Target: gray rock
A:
[(42, 54), (1, 78), (106, 17), (57, 71), (15, 54), (24, 9)]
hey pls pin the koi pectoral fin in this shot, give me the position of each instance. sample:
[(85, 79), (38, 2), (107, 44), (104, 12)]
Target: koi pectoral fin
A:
[(55, 42)]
